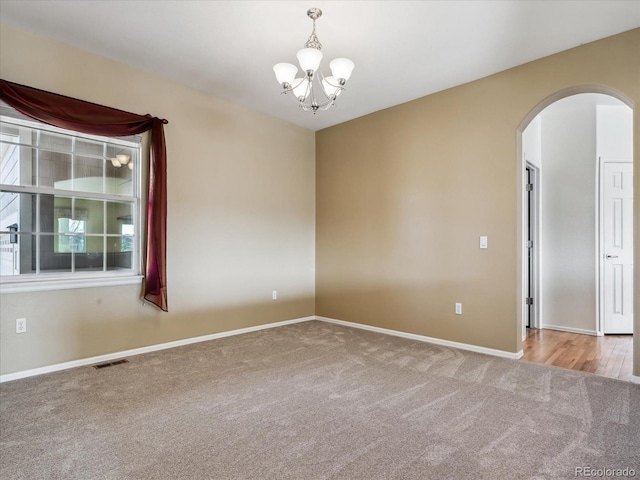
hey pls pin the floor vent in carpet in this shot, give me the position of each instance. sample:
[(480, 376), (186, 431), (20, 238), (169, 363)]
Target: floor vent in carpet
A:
[(110, 364)]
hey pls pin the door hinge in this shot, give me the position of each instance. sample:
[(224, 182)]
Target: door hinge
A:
[(529, 244), (529, 187), (528, 301)]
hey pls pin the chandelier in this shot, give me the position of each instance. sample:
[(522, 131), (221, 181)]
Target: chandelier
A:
[(313, 82), (121, 160)]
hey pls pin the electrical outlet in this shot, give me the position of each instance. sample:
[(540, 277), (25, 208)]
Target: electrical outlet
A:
[(458, 309), (274, 295), (21, 325)]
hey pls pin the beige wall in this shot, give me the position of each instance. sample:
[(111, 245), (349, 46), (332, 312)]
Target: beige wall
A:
[(403, 195), (240, 217)]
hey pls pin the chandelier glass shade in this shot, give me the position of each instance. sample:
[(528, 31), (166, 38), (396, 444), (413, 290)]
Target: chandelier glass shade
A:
[(313, 91)]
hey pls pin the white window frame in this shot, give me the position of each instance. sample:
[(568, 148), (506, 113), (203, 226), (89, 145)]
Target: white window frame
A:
[(30, 282)]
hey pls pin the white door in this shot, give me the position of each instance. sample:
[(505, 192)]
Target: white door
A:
[(617, 246)]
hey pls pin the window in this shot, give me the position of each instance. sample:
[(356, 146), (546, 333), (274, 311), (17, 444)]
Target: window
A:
[(69, 203)]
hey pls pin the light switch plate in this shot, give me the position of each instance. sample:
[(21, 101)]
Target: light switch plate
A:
[(484, 241)]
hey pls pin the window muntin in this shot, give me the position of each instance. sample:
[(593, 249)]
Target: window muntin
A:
[(66, 208)]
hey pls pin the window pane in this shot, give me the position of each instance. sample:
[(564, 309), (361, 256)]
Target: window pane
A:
[(54, 170), (119, 180), (114, 150), (51, 260), (88, 147), (91, 257), (87, 173), (17, 163), (55, 141), (71, 237), (91, 212), (55, 213), (120, 163), (117, 257), (9, 162), (9, 208), (17, 211), (9, 129), (128, 232), (118, 214), (17, 254)]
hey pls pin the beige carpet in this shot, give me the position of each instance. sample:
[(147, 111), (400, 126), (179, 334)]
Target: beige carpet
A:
[(316, 401)]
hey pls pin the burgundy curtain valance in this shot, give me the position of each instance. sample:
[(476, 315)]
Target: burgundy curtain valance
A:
[(90, 118)]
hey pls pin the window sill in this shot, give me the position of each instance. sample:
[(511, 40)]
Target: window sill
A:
[(58, 283)]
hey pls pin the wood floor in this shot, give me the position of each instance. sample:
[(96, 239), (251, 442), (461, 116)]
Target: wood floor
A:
[(610, 356)]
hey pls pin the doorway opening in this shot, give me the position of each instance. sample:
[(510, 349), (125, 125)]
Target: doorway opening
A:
[(575, 214)]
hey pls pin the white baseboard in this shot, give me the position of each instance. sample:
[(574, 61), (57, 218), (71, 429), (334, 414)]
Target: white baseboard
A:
[(570, 330), (138, 351), (187, 341), (635, 379), (422, 338)]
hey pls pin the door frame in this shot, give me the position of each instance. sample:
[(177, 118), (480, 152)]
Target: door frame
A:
[(534, 226), (600, 238), (520, 200)]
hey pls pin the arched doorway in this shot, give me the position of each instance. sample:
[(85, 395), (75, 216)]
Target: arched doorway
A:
[(571, 298)]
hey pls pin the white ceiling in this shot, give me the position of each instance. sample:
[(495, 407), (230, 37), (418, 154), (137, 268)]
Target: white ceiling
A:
[(402, 49)]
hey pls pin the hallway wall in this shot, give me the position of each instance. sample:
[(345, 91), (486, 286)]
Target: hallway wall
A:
[(568, 216)]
